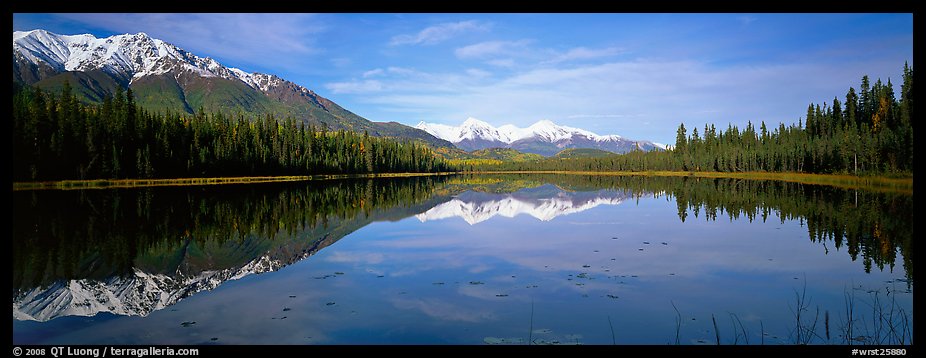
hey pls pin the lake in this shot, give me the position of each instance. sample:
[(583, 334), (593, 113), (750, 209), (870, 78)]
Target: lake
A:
[(465, 259)]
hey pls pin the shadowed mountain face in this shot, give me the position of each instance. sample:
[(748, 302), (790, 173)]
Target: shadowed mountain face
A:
[(165, 77), (135, 251)]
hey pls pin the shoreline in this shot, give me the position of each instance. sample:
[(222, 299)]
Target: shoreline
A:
[(875, 183), (142, 183)]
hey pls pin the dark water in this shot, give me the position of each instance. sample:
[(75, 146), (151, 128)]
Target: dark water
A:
[(465, 260)]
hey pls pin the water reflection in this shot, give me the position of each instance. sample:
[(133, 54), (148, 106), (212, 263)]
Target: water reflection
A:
[(496, 242), (132, 251)]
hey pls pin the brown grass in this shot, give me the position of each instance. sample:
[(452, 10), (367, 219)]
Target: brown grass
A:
[(872, 183), (136, 183)]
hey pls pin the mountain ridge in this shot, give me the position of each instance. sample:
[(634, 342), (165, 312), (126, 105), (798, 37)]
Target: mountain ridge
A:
[(543, 137), (165, 77)]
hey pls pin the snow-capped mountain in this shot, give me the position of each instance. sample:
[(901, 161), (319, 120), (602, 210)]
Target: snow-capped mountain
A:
[(128, 57), (544, 137), (544, 203), (165, 77)]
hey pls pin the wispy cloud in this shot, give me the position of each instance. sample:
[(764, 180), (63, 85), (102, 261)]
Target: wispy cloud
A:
[(584, 53), (365, 86), (488, 49), (373, 73), (439, 33), (746, 20)]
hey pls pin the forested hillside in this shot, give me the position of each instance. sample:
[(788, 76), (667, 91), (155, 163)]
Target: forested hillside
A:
[(56, 137)]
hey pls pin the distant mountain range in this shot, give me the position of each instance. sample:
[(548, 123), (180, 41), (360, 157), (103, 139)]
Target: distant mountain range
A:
[(544, 137), (166, 77)]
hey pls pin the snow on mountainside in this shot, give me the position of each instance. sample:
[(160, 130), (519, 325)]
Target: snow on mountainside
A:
[(543, 137), (474, 207), (128, 56)]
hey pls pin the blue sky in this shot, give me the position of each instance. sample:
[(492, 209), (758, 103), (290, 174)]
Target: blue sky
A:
[(637, 75)]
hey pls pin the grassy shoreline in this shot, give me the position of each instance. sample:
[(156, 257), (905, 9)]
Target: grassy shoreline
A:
[(138, 183), (901, 185), (873, 183)]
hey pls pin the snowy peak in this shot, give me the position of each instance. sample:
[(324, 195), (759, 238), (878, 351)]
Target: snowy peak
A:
[(127, 56), (474, 128), (476, 134)]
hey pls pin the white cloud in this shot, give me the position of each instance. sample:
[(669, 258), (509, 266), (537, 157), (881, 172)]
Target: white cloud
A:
[(475, 72), (366, 86), (491, 48), (502, 62), (439, 33), (373, 73), (402, 71), (746, 20), (583, 53)]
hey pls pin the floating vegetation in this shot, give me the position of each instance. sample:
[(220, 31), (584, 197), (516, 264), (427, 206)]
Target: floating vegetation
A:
[(437, 283), (476, 283), (613, 297), (338, 273), (214, 339), (292, 296), (585, 266), (646, 243), (501, 295), (188, 323), (329, 304), (285, 309), (665, 243)]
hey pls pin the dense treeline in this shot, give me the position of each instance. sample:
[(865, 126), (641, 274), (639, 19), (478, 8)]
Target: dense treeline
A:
[(79, 234), (870, 132), (57, 137)]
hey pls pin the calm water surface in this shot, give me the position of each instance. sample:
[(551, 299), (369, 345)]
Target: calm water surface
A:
[(464, 260)]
